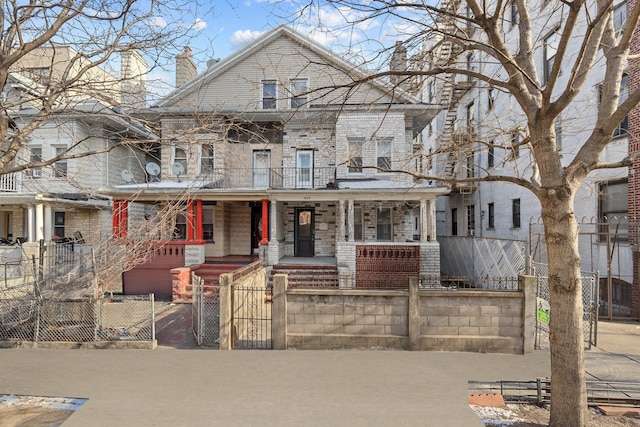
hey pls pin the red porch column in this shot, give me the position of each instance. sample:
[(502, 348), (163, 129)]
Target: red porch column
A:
[(124, 219), (265, 222), (199, 220), (115, 222), (190, 222)]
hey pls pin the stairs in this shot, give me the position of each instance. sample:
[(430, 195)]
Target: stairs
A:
[(210, 273), (305, 276)]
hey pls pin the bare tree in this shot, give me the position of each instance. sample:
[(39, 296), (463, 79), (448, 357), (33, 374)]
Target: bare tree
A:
[(541, 55), (61, 57)]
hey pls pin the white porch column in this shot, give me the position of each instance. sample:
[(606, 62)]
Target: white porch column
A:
[(424, 220), (48, 222), (272, 221), (341, 230), (432, 220), (39, 222), (350, 225), (31, 223)]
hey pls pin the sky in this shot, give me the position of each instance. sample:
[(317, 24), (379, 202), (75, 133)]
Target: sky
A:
[(221, 27)]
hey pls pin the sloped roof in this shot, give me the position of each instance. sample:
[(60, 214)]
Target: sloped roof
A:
[(282, 30)]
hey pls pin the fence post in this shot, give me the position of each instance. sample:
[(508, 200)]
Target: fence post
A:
[(226, 320), (153, 320), (413, 314), (527, 285), (279, 312)]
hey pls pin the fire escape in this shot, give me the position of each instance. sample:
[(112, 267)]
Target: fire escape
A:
[(455, 143)]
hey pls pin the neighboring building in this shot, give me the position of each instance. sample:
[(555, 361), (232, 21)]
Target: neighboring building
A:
[(61, 200), (476, 115), (275, 152)]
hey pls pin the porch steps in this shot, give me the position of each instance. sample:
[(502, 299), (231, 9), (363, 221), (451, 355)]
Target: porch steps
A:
[(211, 275), (305, 276)]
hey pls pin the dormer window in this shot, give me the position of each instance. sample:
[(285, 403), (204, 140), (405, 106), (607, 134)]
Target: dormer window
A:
[(269, 94), (299, 92)]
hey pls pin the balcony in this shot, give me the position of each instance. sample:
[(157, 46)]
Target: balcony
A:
[(270, 178)]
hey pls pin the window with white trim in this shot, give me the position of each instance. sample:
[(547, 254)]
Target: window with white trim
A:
[(357, 224), (269, 94), (60, 167), (207, 223), (620, 14), (355, 154), (383, 224), (383, 154), (614, 210), (206, 158), (551, 44), (299, 93), (179, 157), (35, 156)]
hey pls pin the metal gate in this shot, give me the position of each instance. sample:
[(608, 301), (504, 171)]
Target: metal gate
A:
[(589, 302), (251, 317), (205, 312)]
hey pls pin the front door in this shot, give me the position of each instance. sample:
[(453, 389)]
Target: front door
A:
[(304, 236)]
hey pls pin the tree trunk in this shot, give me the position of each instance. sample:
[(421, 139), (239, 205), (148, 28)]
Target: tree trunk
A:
[(568, 387)]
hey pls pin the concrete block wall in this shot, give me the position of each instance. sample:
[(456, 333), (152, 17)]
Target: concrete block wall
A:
[(478, 321)]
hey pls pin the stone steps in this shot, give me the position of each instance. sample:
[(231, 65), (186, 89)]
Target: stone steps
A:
[(302, 276)]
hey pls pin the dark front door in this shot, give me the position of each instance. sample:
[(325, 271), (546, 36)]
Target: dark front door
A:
[(304, 232)]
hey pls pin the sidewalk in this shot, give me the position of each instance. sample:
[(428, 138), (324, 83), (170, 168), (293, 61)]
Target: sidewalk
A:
[(173, 386)]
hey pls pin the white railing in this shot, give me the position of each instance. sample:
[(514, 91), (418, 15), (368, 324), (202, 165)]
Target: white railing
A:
[(10, 182)]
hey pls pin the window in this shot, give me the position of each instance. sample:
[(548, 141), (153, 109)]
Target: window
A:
[(383, 224), (430, 91), (299, 90), (357, 224), (35, 157), (304, 169), (491, 215), (515, 145), (41, 75), (179, 158), (471, 118), (207, 223), (261, 168), (454, 222), (551, 43), (471, 66), (491, 157), (383, 150), (269, 94), (58, 224), (206, 158), (620, 18), (491, 98), (623, 127), (471, 165), (515, 15), (355, 154), (180, 231), (60, 167), (515, 213), (557, 126), (613, 209), (471, 220)]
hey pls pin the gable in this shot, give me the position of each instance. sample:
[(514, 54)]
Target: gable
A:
[(237, 86)]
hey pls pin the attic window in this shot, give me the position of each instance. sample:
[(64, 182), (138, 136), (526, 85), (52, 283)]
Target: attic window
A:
[(299, 89), (269, 94)]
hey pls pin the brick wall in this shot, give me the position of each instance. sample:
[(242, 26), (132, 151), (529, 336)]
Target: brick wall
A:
[(387, 266)]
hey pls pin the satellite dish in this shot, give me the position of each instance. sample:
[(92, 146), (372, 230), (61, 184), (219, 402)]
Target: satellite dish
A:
[(177, 169), (152, 169), (127, 176)]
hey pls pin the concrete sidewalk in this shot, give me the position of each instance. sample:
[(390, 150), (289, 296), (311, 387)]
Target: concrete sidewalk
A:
[(177, 386)]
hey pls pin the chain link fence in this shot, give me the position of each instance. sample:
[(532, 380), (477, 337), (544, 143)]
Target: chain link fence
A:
[(122, 318), (205, 312)]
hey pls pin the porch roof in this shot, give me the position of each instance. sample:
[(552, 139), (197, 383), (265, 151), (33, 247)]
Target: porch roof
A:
[(364, 190)]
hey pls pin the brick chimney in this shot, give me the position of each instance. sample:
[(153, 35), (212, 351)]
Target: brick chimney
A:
[(186, 68), (398, 62)]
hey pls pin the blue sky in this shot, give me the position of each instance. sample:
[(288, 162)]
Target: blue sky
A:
[(225, 26)]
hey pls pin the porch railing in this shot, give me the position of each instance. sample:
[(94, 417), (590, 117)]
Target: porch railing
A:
[(11, 182), (270, 178)]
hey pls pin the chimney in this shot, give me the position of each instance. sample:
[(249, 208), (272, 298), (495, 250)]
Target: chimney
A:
[(398, 62), (133, 71), (186, 68)]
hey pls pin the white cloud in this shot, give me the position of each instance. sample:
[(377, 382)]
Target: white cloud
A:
[(158, 22), (199, 25), (242, 37)]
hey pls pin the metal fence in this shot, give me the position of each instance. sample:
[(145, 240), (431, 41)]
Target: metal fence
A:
[(121, 318), (589, 301), (205, 312)]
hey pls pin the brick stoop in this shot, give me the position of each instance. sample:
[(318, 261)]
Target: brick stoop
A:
[(305, 276), (182, 290)]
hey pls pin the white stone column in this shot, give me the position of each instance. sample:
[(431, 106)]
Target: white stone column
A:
[(39, 222), (272, 221), (341, 230), (424, 220), (31, 223), (350, 225), (432, 220), (48, 222)]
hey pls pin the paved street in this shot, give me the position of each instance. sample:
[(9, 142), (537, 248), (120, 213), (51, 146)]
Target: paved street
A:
[(173, 387)]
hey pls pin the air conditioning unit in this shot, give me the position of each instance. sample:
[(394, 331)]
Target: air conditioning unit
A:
[(34, 173)]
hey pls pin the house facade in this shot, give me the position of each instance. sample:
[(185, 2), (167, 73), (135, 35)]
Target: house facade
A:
[(485, 125), (276, 152), (61, 200)]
